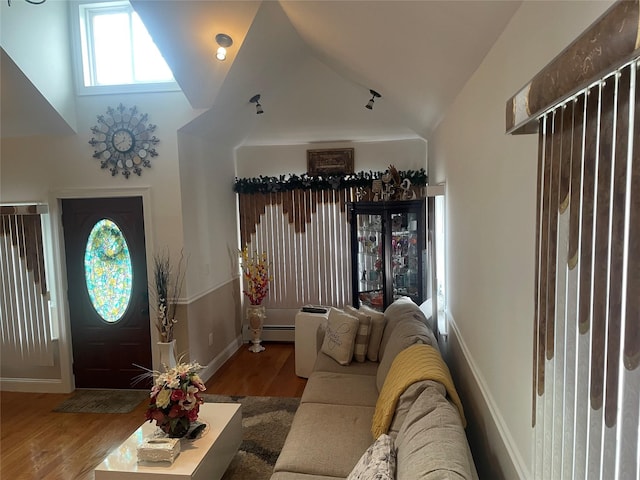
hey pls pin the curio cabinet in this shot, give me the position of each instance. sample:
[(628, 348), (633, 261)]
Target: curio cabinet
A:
[(387, 251)]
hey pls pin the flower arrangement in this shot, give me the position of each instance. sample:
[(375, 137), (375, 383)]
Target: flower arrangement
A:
[(175, 398), (255, 270), (167, 289)]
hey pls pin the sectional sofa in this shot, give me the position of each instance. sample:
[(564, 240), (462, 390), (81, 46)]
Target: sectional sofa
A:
[(389, 411)]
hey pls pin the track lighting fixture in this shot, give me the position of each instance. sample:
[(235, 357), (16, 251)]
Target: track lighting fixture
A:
[(374, 95), (256, 99), (224, 41)]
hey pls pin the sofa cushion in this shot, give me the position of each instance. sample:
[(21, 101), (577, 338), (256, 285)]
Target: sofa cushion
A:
[(431, 443), (403, 308), (326, 439), (340, 336), (377, 329), (362, 337), (341, 389), (324, 363), (406, 333), (378, 462)]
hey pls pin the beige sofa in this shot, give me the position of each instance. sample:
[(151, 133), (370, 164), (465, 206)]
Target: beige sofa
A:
[(332, 428)]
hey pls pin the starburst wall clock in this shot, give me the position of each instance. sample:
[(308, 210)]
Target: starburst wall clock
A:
[(123, 141)]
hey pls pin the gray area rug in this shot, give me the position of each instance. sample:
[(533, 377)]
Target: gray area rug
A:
[(103, 401), (265, 424)]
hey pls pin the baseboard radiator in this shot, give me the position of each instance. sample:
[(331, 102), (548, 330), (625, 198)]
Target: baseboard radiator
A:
[(272, 333)]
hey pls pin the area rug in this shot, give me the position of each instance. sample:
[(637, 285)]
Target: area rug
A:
[(103, 401), (265, 424)]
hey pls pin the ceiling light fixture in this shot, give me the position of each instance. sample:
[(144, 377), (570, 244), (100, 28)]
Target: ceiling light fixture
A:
[(225, 41), (256, 99), (374, 95)]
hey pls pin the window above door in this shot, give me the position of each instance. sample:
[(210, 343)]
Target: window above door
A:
[(114, 52)]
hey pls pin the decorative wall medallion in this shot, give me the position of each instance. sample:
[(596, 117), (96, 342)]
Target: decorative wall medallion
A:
[(122, 141)]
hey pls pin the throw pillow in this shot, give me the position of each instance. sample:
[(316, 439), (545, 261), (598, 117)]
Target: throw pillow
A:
[(377, 329), (378, 462), (340, 336), (364, 331)]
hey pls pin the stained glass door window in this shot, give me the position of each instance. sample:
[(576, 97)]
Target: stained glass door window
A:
[(108, 271)]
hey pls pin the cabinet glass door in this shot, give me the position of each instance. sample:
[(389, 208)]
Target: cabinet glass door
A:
[(370, 264), (405, 255)]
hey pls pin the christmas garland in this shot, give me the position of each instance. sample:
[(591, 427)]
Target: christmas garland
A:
[(284, 183)]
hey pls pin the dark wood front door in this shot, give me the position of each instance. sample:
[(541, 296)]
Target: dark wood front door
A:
[(107, 291)]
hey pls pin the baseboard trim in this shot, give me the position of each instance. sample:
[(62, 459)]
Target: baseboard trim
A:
[(272, 333), (212, 367), (34, 385), (505, 435)]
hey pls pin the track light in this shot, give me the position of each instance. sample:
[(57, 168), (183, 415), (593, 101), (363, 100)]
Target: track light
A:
[(374, 95), (256, 99), (225, 41)]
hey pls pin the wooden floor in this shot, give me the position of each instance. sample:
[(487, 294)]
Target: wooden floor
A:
[(37, 443)]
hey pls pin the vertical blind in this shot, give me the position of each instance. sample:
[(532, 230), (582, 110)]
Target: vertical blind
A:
[(586, 380), (24, 306), (305, 234)]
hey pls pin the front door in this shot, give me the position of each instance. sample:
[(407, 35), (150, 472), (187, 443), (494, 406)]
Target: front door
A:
[(107, 291)]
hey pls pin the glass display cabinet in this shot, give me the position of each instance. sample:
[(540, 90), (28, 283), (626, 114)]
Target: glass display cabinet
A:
[(387, 251)]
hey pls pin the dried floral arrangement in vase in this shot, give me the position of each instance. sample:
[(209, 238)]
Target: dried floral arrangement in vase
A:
[(168, 284)]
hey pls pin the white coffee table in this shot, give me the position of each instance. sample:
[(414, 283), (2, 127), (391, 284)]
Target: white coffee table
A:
[(206, 457)]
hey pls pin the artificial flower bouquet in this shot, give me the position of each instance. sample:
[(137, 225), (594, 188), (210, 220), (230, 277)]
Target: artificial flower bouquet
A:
[(255, 270), (175, 398)]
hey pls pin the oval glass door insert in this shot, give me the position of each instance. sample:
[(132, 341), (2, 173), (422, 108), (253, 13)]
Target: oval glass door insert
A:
[(108, 272)]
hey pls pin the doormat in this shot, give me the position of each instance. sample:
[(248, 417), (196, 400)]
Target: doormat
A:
[(265, 424), (103, 401)]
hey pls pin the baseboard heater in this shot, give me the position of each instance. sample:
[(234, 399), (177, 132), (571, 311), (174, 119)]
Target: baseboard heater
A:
[(273, 333)]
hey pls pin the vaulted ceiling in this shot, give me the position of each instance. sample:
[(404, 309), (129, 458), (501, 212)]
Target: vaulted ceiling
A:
[(417, 54)]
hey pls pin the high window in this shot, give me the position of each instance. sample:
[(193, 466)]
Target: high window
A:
[(115, 52)]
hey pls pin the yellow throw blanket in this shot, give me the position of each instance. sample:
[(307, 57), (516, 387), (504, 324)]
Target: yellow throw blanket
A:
[(413, 364)]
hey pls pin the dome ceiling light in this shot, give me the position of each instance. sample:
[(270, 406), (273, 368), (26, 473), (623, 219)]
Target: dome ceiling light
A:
[(224, 41)]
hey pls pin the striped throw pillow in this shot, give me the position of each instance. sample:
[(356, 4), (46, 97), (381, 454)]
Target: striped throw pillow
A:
[(362, 337)]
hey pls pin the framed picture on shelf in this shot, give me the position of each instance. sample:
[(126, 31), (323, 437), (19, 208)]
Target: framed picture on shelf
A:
[(333, 161)]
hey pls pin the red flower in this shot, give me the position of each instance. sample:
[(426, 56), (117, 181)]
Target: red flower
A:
[(177, 395)]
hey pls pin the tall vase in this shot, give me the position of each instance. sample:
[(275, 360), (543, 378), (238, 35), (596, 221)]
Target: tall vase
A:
[(255, 317), (167, 354)]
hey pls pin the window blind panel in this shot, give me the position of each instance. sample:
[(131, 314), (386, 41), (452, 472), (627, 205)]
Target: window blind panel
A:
[(571, 331), (536, 293), (546, 334), (632, 332), (618, 209), (588, 193), (556, 159), (564, 133), (25, 315), (542, 311), (602, 228), (582, 342), (627, 461), (11, 329)]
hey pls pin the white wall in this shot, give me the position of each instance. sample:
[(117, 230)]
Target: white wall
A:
[(274, 160), (490, 208), (37, 38)]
